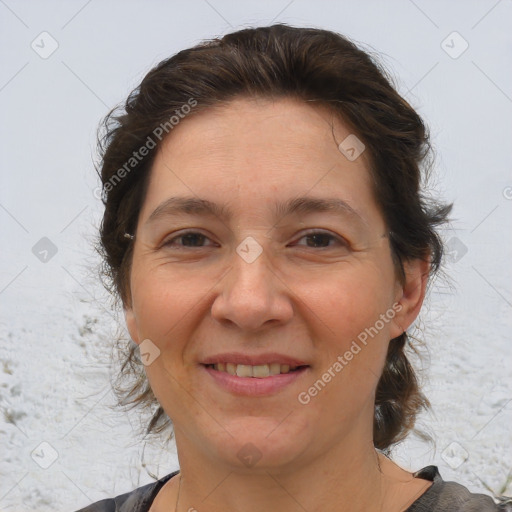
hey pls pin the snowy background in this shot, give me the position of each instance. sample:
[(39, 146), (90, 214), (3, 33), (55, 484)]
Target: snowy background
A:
[(65, 64)]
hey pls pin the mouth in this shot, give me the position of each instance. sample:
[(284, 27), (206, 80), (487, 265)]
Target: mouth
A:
[(260, 371), (244, 380)]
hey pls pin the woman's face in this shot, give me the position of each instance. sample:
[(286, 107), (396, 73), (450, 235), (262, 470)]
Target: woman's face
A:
[(266, 279)]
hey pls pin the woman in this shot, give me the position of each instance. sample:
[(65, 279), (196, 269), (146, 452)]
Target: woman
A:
[(266, 233)]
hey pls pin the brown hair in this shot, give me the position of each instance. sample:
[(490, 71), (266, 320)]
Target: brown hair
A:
[(277, 61)]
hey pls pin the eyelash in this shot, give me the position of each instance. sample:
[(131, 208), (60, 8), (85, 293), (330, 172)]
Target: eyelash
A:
[(340, 240)]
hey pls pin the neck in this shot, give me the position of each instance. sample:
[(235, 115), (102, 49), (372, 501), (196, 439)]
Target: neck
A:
[(345, 478)]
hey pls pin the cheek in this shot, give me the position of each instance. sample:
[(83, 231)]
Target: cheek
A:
[(347, 312), (349, 302), (352, 342), (164, 305), (167, 311)]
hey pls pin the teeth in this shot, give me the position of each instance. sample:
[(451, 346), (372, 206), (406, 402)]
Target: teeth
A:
[(243, 370), (275, 369), (260, 371)]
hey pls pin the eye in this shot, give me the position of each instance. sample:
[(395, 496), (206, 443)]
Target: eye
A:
[(189, 239), (315, 239), (321, 240)]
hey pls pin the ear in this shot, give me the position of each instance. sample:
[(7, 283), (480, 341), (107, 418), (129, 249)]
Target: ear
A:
[(410, 295), (131, 324)]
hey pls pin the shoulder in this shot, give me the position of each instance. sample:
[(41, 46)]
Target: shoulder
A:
[(138, 500), (444, 496)]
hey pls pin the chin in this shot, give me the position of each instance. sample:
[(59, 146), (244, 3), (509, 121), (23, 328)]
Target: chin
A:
[(263, 443)]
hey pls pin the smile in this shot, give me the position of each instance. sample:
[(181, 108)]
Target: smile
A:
[(258, 380), (260, 371)]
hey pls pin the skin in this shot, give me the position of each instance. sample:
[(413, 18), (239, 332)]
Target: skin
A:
[(306, 298)]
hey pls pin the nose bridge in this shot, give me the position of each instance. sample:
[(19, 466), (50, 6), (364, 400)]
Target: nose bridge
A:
[(251, 275), (250, 295)]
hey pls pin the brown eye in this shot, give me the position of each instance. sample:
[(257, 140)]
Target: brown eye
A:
[(321, 240), (189, 239)]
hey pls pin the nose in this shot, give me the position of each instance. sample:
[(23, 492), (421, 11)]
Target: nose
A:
[(252, 295)]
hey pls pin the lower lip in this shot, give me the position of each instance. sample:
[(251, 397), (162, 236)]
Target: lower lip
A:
[(253, 386)]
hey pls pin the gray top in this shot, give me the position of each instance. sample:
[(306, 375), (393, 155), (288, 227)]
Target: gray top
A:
[(441, 496)]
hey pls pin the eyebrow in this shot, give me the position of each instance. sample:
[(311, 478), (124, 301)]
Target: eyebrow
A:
[(299, 205)]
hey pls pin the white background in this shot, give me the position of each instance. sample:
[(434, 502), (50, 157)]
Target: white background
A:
[(56, 326)]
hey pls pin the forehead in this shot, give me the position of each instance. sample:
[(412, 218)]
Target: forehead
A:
[(251, 152), (261, 128)]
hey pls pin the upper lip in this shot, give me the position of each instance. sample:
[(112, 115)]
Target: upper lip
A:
[(253, 360)]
